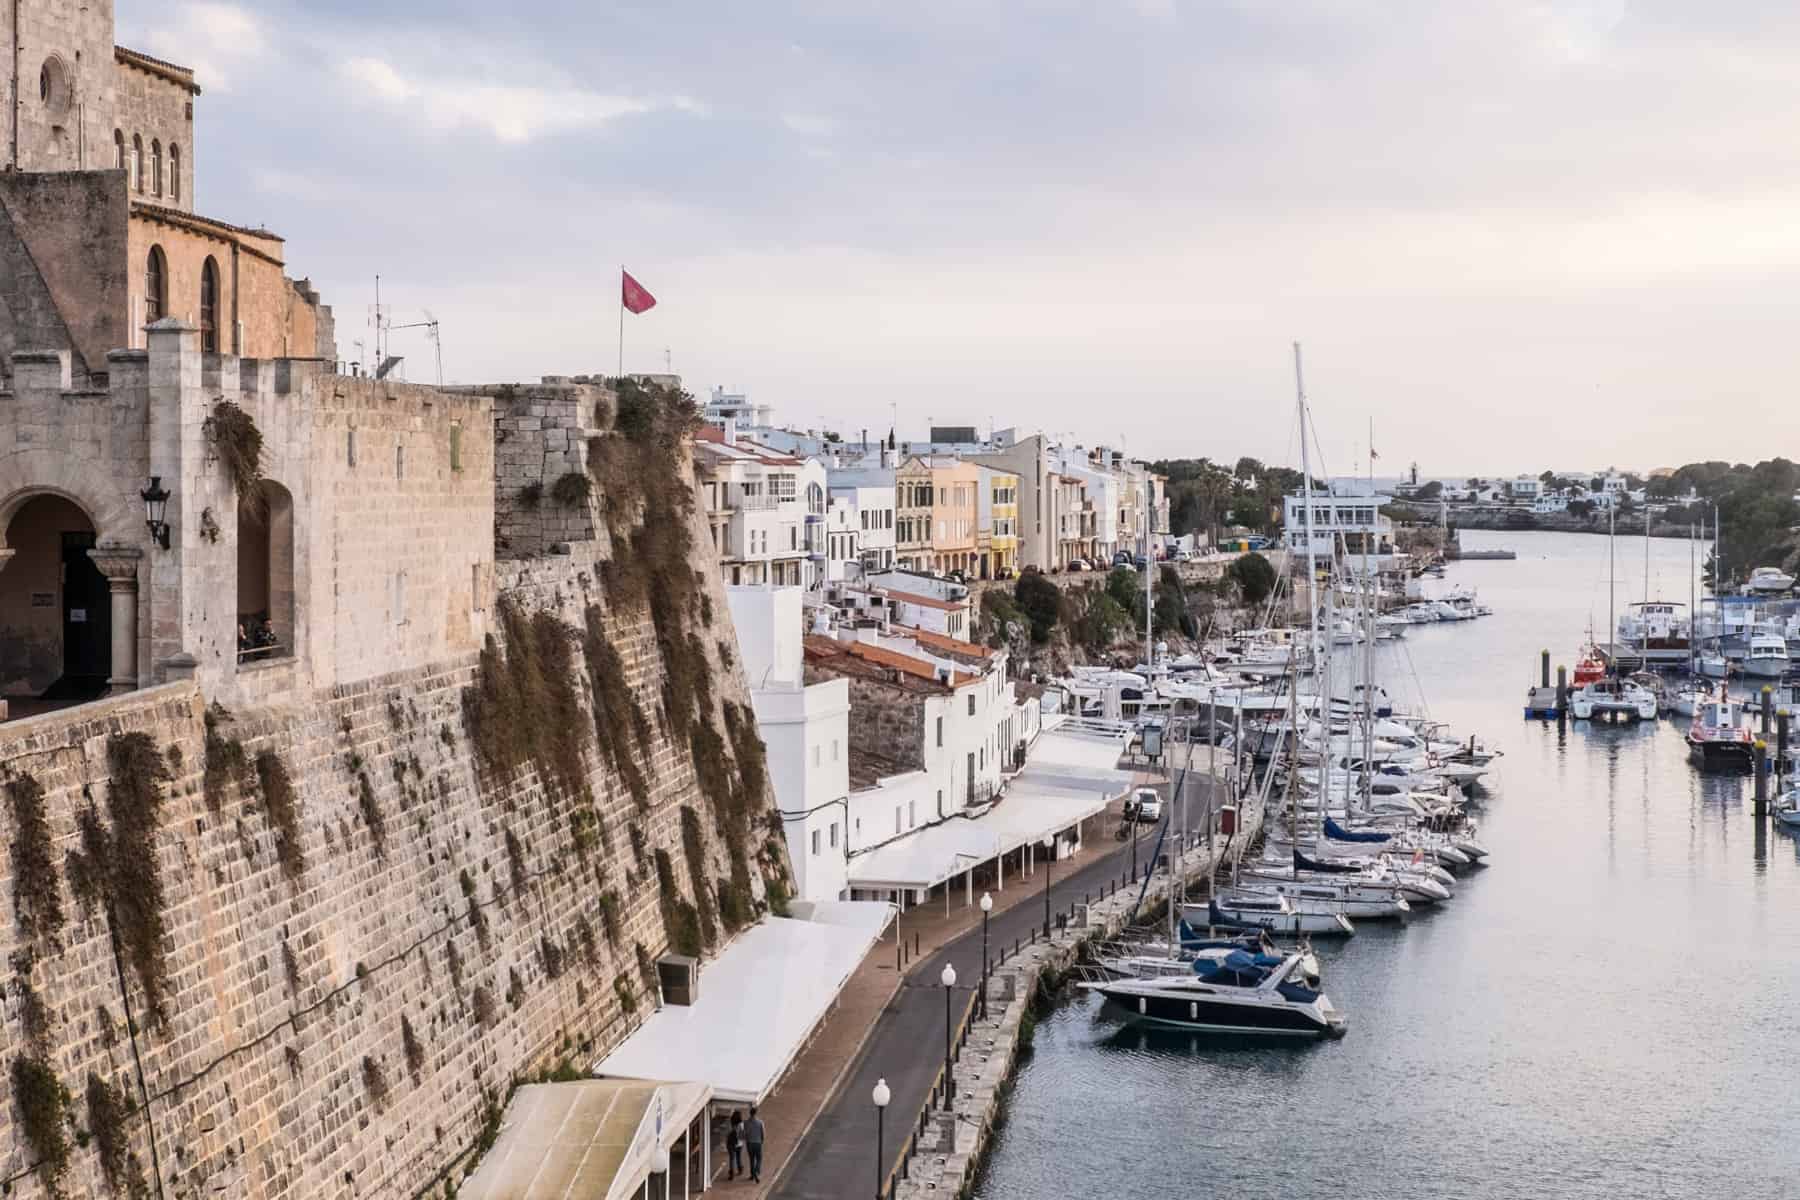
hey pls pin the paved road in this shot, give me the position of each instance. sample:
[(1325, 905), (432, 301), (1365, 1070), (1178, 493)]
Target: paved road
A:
[(835, 1160)]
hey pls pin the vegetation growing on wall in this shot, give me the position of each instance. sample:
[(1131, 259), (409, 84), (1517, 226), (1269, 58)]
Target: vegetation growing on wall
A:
[(517, 710), (283, 809), (415, 1050), (132, 879), (610, 918), (693, 844), (680, 919), (108, 1108), (238, 443), (572, 490), (43, 1104), (620, 727), (371, 813), (37, 896), (226, 762)]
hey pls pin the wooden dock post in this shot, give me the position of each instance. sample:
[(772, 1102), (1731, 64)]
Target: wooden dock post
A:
[(1781, 736), (1762, 778), (1562, 692), (1544, 669), (1768, 709)]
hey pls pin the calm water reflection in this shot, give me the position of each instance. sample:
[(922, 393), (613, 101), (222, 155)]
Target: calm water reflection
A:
[(1606, 1011)]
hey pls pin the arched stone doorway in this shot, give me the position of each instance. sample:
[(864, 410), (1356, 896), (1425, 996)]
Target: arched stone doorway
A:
[(55, 605), (265, 575)]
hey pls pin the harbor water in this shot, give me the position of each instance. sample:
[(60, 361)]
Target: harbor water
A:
[(1606, 1011)]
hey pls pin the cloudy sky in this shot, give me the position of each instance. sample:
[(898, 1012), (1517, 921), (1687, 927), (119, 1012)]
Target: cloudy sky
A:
[(1511, 234)]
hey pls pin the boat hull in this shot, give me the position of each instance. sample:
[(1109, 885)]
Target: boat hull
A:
[(1214, 1016)]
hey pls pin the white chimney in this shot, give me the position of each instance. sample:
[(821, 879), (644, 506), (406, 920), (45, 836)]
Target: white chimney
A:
[(731, 431)]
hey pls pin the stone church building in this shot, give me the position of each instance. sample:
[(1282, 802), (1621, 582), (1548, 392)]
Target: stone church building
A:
[(130, 327), (100, 235)]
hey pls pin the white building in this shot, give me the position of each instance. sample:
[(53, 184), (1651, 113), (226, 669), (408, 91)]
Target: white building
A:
[(870, 491), (939, 606), (766, 510), (1525, 488), (723, 406), (1347, 516), (843, 539), (806, 729)]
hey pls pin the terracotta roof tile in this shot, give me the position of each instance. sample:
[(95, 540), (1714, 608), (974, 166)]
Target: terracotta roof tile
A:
[(950, 645), (926, 601), (156, 66)]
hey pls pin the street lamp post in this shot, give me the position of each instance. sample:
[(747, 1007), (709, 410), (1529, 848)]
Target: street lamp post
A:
[(948, 979), (880, 1096), (987, 906), (659, 1165), (1049, 846)]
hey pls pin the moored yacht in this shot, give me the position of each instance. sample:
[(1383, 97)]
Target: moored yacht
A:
[(1769, 580), (1767, 657), (1613, 699), (1720, 735), (1240, 993)]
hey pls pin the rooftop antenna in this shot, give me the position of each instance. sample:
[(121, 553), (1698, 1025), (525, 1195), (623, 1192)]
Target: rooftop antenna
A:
[(668, 360), (430, 325)]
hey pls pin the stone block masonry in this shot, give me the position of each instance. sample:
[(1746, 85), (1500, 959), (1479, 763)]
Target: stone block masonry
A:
[(355, 973)]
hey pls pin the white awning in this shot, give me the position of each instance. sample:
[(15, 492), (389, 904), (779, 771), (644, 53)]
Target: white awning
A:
[(1071, 775), (587, 1137), (758, 1004)]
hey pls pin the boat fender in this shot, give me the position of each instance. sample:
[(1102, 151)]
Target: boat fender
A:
[(1140, 1006), (1193, 1010)]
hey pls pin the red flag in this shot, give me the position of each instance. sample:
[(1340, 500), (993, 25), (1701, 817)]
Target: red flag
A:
[(636, 297)]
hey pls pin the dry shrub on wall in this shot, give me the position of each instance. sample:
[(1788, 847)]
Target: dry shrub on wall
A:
[(37, 896), (519, 707), (572, 490), (238, 443)]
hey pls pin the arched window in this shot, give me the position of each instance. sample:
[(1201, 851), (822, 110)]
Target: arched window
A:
[(155, 167), (174, 172), (119, 146), (156, 283), (54, 87), (137, 164), (209, 307)]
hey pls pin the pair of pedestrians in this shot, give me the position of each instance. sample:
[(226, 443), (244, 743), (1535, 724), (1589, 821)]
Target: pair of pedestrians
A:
[(741, 1136)]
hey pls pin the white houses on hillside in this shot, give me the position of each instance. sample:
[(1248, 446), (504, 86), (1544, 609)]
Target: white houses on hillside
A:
[(766, 510)]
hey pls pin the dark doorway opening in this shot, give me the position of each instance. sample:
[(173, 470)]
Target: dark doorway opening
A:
[(87, 622)]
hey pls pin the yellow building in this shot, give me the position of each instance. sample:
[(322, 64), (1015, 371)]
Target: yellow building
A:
[(997, 533)]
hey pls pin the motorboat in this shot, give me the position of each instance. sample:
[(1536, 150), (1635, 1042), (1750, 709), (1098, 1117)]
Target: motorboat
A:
[(1325, 898), (1687, 699), (1720, 735), (1611, 700), (1787, 808), (1712, 665), (1262, 910), (1655, 625), (1590, 667), (1239, 993), (1768, 581), (1767, 657)]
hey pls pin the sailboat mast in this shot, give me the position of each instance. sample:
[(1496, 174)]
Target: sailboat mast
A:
[(1612, 584), (1693, 612), (1317, 645)]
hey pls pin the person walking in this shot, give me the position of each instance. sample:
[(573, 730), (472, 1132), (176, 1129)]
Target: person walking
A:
[(734, 1143), (753, 1138)]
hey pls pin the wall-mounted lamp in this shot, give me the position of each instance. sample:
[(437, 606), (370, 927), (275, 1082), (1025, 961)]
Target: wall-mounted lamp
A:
[(156, 504)]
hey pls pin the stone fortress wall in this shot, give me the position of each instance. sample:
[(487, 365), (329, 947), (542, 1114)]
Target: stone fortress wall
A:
[(384, 901)]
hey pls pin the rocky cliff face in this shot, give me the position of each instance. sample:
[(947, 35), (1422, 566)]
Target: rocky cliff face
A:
[(305, 951)]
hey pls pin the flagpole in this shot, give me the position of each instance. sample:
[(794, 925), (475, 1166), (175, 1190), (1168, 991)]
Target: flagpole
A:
[(621, 374)]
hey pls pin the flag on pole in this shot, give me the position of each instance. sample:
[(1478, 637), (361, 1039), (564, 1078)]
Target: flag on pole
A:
[(636, 297)]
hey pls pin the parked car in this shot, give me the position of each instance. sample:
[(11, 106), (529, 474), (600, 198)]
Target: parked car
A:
[(1003, 573), (1144, 807), (1122, 558), (1140, 562), (1078, 564), (1184, 556), (957, 576)]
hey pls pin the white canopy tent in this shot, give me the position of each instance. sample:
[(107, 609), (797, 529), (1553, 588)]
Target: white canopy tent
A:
[(758, 1004)]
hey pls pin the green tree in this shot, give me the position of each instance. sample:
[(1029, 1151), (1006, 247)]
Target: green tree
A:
[(1040, 601), (1254, 577)]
